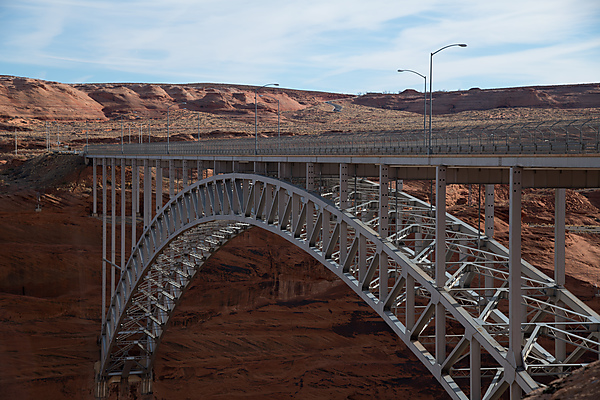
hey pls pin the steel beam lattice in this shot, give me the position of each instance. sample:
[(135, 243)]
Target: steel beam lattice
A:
[(448, 300)]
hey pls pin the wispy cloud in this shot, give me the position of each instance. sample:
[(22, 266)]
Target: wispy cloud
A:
[(340, 45)]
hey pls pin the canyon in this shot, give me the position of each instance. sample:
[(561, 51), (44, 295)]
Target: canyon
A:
[(262, 319)]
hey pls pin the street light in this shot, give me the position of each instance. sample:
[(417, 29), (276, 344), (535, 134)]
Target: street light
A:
[(121, 133), (168, 131), (430, 87), (425, 103), (256, 115), (278, 121)]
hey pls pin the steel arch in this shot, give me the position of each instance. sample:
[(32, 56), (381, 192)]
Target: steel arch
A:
[(347, 244)]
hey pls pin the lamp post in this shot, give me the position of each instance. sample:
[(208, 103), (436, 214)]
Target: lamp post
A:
[(430, 87), (278, 121), (256, 115), (425, 102), (168, 131), (121, 133)]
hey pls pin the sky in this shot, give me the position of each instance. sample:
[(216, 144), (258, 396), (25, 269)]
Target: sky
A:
[(344, 46)]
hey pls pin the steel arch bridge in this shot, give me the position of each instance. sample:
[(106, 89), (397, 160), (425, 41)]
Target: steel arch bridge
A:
[(448, 300)]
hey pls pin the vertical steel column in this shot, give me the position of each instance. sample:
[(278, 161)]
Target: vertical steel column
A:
[(475, 359), (343, 186), (440, 260), (362, 258), (384, 191), (559, 237), (310, 217), (159, 181), (284, 170), (171, 179), (398, 209), (137, 189), (310, 176), (489, 232), (410, 302), (147, 193), (123, 213), (257, 193), (281, 208), (94, 187), (184, 173), (296, 211), (559, 263), (515, 315), (325, 231), (384, 216), (246, 194), (268, 200), (489, 211), (419, 237), (344, 204), (113, 225), (343, 240), (134, 199), (104, 211)]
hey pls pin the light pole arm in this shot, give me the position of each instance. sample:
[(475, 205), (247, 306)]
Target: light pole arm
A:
[(414, 72), (424, 104), (450, 45)]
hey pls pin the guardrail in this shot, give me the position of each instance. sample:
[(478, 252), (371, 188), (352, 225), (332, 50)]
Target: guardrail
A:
[(556, 137)]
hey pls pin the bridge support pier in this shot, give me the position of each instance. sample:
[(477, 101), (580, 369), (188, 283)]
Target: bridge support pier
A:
[(95, 188), (475, 363), (136, 173), (489, 211), (383, 228), (171, 179), (146, 387), (113, 225), (147, 193), (440, 261), (489, 233), (515, 316), (184, 172), (123, 213), (104, 211), (159, 181), (560, 345), (343, 186), (310, 176), (134, 199)]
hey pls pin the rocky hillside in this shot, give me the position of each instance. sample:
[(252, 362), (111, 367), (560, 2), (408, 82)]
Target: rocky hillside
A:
[(559, 97), (44, 100), (33, 98)]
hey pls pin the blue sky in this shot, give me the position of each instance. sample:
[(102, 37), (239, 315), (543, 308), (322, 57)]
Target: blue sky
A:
[(346, 46)]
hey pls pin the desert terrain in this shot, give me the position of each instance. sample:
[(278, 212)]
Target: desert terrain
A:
[(262, 319)]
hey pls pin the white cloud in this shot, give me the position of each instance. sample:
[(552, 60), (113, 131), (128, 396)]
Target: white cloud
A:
[(308, 43)]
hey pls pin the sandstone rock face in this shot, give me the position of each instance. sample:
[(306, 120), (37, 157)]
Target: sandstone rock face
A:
[(32, 98), (560, 97)]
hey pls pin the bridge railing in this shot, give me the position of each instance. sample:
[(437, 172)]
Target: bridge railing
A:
[(553, 137)]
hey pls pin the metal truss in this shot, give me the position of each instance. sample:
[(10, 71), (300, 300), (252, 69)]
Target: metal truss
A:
[(151, 286), (382, 243)]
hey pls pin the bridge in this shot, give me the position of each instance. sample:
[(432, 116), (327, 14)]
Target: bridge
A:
[(482, 320)]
